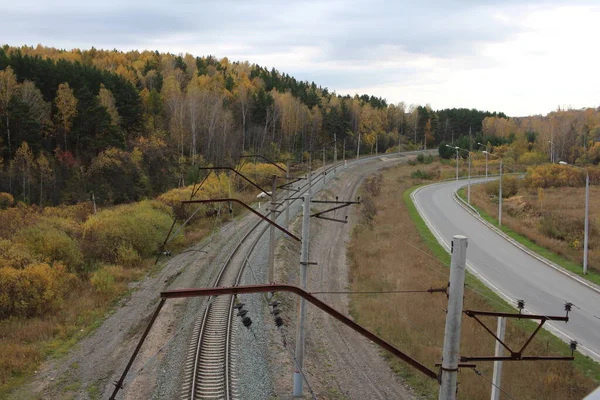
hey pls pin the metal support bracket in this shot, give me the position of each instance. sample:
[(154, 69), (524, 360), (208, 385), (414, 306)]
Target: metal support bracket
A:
[(341, 204), (248, 208), (514, 355)]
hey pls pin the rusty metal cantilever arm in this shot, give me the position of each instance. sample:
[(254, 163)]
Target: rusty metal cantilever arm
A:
[(234, 170), (170, 294), (249, 208)]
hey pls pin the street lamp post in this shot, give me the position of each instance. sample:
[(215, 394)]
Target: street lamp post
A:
[(456, 148), (499, 188), (587, 214), (486, 158)]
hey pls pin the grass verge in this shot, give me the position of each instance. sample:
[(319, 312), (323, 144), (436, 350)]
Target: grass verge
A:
[(591, 276), (392, 248)]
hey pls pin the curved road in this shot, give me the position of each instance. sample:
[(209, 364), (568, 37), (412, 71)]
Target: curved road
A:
[(512, 273)]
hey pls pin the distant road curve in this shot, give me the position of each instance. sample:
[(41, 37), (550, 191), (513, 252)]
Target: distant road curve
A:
[(510, 272)]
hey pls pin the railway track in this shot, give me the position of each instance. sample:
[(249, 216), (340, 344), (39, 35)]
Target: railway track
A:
[(209, 369)]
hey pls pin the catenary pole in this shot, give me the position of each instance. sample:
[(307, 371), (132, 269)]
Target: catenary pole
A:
[(297, 392), (271, 277), (497, 376), (453, 319)]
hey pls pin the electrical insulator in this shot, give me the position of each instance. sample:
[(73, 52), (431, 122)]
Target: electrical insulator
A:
[(520, 305), (239, 306), (276, 312), (568, 306), (278, 322), (274, 303), (573, 346), (242, 313), (247, 322)]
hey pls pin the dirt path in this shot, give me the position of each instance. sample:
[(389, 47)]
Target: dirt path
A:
[(339, 363)]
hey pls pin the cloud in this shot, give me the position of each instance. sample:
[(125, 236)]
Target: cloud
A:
[(448, 50)]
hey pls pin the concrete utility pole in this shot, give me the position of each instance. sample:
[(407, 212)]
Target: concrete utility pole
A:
[(334, 151), (497, 377), (287, 201), (453, 319), (271, 277), (358, 147), (324, 171), (500, 198), (469, 188), (299, 356), (344, 152)]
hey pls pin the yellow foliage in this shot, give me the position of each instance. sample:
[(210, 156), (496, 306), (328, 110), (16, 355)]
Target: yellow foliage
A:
[(141, 226), (49, 243), (6, 200), (38, 289), (532, 157), (556, 175)]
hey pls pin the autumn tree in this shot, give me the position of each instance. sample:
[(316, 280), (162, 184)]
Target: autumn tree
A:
[(45, 173), (38, 108), (66, 105), (24, 164), (107, 100), (8, 89)]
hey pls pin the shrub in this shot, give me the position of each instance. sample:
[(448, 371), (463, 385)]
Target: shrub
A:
[(128, 256), (556, 175), (47, 242), (6, 200), (418, 174), (532, 157), (421, 158), (510, 187), (14, 255), (141, 227), (36, 290)]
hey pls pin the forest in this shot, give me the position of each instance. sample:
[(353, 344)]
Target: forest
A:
[(126, 126), (98, 148)]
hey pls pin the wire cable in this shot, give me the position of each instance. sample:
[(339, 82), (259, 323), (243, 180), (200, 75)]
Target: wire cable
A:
[(477, 372)]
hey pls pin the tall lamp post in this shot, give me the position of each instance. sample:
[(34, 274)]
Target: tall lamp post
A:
[(487, 153), (469, 184), (457, 149), (486, 158), (587, 213)]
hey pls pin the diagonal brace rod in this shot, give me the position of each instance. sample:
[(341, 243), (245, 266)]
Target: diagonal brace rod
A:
[(243, 177), (247, 207)]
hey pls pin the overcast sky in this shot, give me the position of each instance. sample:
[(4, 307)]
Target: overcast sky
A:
[(521, 57)]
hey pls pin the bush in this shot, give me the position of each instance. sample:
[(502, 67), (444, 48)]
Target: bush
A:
[(510, 187), (418, 174), (532, 157), (446, 152), (556, 175), (141, 227), (14, 255), (6, 200), (36, 290), (421, 158), (48, 243)]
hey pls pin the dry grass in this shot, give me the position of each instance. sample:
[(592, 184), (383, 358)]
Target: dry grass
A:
[(552, 218), (414, 323)]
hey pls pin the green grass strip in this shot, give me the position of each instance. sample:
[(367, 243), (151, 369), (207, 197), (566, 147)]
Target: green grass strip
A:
[(585, 364), (569, 265)]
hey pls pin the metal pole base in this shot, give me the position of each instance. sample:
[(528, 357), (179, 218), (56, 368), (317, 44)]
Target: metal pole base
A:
[(297, 384)]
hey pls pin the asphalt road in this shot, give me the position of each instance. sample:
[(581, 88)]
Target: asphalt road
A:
[(512, 273)]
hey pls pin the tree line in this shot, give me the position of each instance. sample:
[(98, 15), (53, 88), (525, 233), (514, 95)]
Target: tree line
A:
[(129, 125)]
